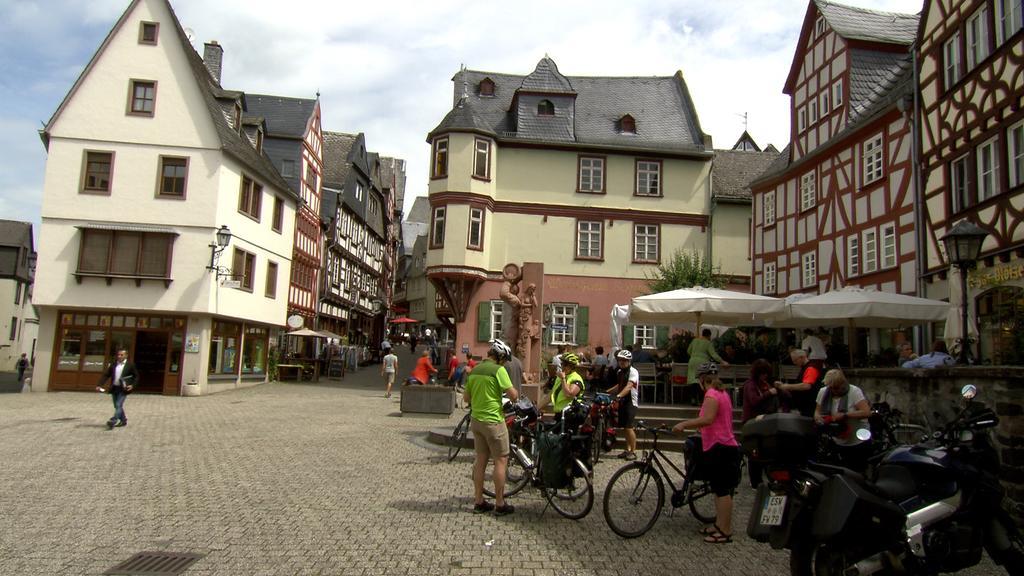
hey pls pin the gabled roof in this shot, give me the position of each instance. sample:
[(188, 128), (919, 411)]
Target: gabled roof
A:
[(733, 170), (214, 96), (884, 30), (873, 75), (15, 233), (337, 146), (419, 211), (666, 119), (745, 137), (286, 117)]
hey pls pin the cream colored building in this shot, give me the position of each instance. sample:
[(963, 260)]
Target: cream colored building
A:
[(148, 157), (597, 179)]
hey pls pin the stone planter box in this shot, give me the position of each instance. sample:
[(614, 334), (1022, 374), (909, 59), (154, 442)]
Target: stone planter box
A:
[(419, 399)]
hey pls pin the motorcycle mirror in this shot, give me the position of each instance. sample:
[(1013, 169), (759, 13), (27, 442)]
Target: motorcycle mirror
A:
[(969, 391), (863, 434)]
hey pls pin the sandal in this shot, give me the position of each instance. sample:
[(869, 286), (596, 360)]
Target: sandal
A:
[(718, 538), (709, 530)]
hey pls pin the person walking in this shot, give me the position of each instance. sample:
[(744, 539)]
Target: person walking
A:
[(122, 376), (701, 351), (626, 390), (424, 369), (759, 397), (721, 453), (388, 369), (22, 365), (484, 388), (412, 343)]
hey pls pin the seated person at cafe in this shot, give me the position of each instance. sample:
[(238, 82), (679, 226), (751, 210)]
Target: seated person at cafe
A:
[(937, 358)]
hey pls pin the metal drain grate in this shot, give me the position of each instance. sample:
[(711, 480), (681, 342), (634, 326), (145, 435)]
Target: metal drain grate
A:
[(155, 564)]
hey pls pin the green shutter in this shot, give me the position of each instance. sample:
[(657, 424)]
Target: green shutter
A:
[(483, 321), (628, 336), (582, 325), (661, 337)]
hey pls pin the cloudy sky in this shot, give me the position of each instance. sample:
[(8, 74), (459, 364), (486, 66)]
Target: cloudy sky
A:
[(385, 67)]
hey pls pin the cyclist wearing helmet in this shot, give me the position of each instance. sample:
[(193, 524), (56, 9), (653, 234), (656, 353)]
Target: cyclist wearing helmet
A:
[(568, 384), (626, 389), (721, 453), (484, 388)]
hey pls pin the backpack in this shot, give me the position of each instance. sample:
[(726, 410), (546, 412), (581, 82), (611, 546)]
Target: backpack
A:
[(460, 371), (554, 459)]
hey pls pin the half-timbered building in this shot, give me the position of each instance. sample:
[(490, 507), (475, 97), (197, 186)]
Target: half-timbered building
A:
[(971, 67), (836, 208)]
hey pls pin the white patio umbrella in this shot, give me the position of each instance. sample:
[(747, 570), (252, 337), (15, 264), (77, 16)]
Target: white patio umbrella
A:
[(704, 305)]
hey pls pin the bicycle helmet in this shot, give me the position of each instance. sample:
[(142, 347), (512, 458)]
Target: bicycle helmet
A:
[(624, 355), (707, 368), (501, 350), (570, 359)]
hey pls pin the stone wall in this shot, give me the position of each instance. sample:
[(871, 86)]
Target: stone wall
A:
[(932, 398)]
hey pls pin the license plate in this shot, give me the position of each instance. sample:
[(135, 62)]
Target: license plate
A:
[(774, 507)]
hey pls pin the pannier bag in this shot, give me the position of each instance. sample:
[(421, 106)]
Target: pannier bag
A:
[(554, 459)]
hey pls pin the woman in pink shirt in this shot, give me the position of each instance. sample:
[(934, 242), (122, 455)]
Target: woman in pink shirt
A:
[(721, 451)]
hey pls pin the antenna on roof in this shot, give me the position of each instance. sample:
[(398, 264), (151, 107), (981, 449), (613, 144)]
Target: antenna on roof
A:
[(190, 34), (465, 86), (744, 115)]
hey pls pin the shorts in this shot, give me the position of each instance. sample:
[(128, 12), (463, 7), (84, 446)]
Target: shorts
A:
[(722, 468), (490, 439), (627, 412), (389, 378)]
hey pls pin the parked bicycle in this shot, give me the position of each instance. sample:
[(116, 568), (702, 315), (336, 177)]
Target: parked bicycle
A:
[(458, 437), (601, 425), (635, 494), (550, 457)]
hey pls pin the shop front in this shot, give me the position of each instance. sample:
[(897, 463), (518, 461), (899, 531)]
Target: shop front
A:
[(998, 293)]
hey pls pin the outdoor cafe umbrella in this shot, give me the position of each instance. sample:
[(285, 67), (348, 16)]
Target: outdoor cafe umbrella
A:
[(306, 332), (404, 320), (704, 305)]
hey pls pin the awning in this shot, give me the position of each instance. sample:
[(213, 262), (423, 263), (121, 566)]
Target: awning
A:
[(127, 227)]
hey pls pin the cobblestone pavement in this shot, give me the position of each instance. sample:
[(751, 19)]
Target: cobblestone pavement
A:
[(290, 478)]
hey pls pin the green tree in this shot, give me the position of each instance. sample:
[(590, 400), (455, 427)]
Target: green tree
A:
[(685, 269)]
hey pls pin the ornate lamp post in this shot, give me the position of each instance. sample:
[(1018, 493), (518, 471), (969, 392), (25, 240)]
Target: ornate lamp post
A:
[(963, 246), (223, 239)]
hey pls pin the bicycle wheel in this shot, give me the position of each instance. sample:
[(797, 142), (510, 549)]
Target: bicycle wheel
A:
[(597, 442), (633, 499), (702, 501), (458, 437), (516, 477), (575, 499)]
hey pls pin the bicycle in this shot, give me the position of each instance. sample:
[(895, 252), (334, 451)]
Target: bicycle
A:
[(458, 437), (635, 494), (600, 422), (575, 498)]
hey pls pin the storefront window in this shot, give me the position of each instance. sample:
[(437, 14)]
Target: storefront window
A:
[(177, 339), (254, 356), (1001, 321), (95, 351), (119, 339), (118, 321), (70, 350), (224, 347)]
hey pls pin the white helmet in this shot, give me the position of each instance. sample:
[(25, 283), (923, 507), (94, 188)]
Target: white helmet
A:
[(624, 355), (501, 350)]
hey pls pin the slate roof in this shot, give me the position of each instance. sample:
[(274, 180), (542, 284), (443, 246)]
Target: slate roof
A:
[(410, 232), (286, 117), (419, 211), (394, 178), (869, 25), (873, 75), (337, 146), (732, 171), (14, 233), (666, 119)]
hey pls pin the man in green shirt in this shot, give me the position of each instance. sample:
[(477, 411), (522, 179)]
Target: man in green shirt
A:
[(483, 391)]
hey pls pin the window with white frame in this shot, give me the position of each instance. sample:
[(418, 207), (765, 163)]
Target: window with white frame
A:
[(648, 178), (591, 175), (823, 102), (482, 159), (497, 320), (837, 93), (819, 26), (769, 208), (588, 239), (808, 195), (476, 228), (951, 60), (437, 227), (439, 168), (977, 37), (770, 276), (645, 242), (813, 111), (870, 261), (644, 336), (801, 119), (1015, 153), (852, 256), (873, 159), (958, 183), (988, 170), (563, 324), (810, 269), (889, 246), (1008, 19)]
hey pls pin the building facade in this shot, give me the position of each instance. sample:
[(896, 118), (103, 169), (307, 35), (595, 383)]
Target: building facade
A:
[(971, 70), (18, 322), (593, 179), (148, 159)]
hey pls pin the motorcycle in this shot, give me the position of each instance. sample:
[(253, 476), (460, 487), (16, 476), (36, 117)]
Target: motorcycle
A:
[(928, 508)]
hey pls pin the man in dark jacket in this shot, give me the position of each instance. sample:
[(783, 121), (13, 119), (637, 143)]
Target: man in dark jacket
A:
[(123, 376)]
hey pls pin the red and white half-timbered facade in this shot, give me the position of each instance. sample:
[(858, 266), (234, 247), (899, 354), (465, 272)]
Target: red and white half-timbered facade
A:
[(306, 255), (836, 208), (971, 68)]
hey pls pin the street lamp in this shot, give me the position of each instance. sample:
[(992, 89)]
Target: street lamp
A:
[(963, 246), (223, 239)]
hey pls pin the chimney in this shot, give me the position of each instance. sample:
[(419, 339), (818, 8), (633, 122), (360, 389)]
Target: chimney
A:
[(213, 56)]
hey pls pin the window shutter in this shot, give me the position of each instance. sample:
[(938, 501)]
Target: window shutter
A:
[(483, 321), (582, 325), (661, 337), (628, 336)]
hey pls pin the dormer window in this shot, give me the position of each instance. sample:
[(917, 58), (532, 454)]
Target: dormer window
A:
[(487, 87), (259, 140), (627, 125), (545, 108), (237, 117), (819, 26)]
